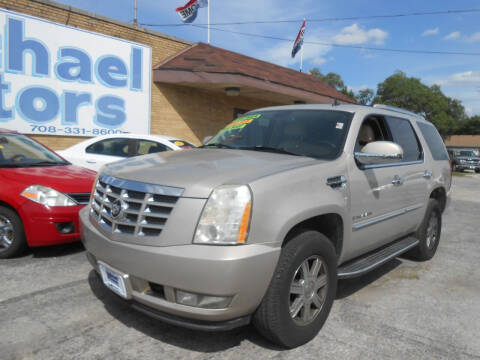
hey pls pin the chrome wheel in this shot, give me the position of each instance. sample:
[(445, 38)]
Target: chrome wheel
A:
[(432, 231), (6, 232), (308, 290)]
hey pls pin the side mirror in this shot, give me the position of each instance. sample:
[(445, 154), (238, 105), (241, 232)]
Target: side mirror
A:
[(206, 139), (379, 152)]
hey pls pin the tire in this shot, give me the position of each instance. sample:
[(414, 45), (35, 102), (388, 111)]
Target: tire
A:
[(12, 234), (477, 170), (428, 233), (273, 317)]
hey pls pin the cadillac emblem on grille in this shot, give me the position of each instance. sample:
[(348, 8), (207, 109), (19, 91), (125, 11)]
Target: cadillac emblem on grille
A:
[(126, 207), (117, 209)]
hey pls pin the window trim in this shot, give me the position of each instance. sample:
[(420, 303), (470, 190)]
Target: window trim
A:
[(390, 133)]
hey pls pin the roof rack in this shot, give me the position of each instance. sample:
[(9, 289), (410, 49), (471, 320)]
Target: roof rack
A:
[(397, 109)]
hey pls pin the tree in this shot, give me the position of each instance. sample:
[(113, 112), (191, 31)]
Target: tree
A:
[(334, 80), (469, 126), (411, 94), (365, 96)]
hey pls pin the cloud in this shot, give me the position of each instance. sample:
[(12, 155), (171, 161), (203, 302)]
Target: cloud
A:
[(452, 36), (474, 37), (460, 79), (281, 53), (430, 32), (463, 86), (354, 35)]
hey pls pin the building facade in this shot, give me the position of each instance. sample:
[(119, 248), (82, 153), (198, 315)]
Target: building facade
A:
[(196, 89)]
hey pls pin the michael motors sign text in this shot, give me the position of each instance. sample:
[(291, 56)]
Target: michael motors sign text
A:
[(60, 80)]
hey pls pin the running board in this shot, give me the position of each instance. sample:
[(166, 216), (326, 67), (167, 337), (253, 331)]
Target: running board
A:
[(360, 266)]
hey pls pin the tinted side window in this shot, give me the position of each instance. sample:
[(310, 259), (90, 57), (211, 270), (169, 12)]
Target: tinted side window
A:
[(404, 135), (110, 147), (149, 147), (434, 141)]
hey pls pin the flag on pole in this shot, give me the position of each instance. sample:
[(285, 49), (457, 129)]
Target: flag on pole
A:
[(188, 12), (297, 45)]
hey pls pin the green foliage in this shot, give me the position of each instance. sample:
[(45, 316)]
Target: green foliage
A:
[(469, 126), (365, 96), (334, 80), (411, 94)]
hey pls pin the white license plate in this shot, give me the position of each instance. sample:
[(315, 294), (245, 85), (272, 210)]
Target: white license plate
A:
[(114, 280)]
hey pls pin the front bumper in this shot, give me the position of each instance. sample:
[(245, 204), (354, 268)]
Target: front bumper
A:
[(242, 272), (462, 167), (39, 223)]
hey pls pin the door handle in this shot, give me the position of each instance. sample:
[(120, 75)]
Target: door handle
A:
[(397, 180), (427, 174), (91, 161)]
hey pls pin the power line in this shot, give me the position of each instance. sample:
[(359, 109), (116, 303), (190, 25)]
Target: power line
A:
[(384, 16), (408, 51)]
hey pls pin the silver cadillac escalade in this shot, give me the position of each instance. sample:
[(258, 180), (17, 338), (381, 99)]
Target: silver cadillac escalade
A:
[(259, 223)]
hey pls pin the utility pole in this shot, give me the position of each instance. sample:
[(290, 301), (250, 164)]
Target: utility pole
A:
[(135, 21)]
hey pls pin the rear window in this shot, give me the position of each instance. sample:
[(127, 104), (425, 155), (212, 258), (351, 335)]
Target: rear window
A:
[(404, 135), (434, 141)]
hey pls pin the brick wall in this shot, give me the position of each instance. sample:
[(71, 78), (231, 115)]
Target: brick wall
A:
[(193, 113)]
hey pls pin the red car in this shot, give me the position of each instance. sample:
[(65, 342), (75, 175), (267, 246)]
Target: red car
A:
[(40, 195)]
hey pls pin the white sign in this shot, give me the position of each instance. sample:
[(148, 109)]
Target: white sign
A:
[(59, 80)]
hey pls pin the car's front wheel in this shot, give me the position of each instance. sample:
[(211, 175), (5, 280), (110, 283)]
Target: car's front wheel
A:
[(12, 235), (301, 293)]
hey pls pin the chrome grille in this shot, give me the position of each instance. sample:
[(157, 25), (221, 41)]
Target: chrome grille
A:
[(131, 207)]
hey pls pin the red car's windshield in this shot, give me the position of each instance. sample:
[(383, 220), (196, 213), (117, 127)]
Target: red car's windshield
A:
[(17, 150)]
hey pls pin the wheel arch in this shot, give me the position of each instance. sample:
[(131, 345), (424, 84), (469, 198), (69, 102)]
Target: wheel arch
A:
[(329, 224), (440, 195), (7, 205)]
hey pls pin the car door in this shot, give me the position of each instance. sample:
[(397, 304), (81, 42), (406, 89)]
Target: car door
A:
[(382, 195), (106, 151)]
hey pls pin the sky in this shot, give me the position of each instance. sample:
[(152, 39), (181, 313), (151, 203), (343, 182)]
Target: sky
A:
[(458, 75)]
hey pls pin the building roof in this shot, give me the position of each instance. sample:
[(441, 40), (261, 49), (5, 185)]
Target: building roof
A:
[(216, 65), (463, 141)]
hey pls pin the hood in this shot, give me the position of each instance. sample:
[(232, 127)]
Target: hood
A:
[(66, 179), (198, 171)]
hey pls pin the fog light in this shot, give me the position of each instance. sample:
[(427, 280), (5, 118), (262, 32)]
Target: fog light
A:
[(65, 227), (202, 301)]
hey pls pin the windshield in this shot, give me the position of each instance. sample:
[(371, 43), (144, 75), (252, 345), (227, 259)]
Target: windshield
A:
[(313, 133), (467, 153), (20, 151)]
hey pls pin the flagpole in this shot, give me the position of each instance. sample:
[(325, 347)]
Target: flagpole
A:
[(301, 52), (208, 21), (301, 58)]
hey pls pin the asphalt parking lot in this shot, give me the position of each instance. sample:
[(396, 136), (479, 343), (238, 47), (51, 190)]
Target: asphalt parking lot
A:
[(52, 306)]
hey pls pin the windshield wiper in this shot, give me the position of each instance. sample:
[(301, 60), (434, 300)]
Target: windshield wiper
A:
[(219, 146), (45, 163), (11, 165), (269, 149)]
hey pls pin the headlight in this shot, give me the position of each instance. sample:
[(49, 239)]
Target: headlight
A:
[(462, 161), (225, 218), (47, 196)]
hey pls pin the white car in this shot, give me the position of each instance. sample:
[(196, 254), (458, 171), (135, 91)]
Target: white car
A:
[(98, 151)]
